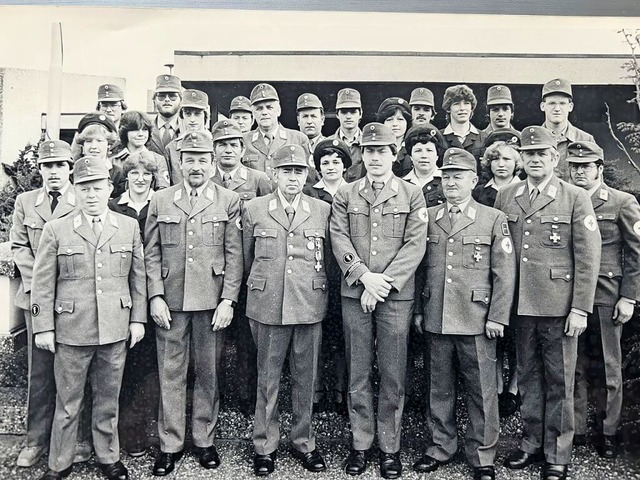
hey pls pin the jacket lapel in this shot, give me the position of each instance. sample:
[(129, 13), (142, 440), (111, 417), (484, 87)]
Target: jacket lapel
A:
[(276, 210), (257, 141), (239, 179), (442, 219), (466, 219), (82, 228), (181, 200), (522, 197), (366, 190), (203, 201), (600, 196), (280, 140), (109, 230), (66, 204), (545, 197), (390, 190), (42, 206), (303, 212)]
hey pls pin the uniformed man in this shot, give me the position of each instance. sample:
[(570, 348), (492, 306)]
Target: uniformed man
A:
[(240, 112), (557, 103), (459, 103), (499, 109), (310, 115), (193, 253), (470, 271), (349, 113), (194, 115), (270, 135), (88, 297), (557, 246), (618, 290), (284, 237), (111, 102), (422, 106), (228, 148), (166, 125), (378, 233), (32, 210)]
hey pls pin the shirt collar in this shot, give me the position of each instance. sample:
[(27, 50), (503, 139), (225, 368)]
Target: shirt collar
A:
[(540, 187), (448, 130), (347, 140), (102, 217), (162, 122), (200, 189), (273, 132), (384, 180), (232, 173), (462, 206), (323, 186), (413, 178), (285, 203), (593, 190), (62, 191), (125, 198)]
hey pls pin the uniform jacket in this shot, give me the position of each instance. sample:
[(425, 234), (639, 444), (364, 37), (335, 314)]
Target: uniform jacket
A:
[(247, 183), (356, 171), (31, 211), (382, 235), (194, 256), (572, 134), (155, 142), (432, 190), (86, 289), (470, 271), (258, 155), (403, 164), (286, 263), (471, 143), (120, 205), (557, 244), (618, 215), (172, 154)]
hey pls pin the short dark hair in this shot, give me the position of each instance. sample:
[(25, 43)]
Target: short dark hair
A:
[(132, 121), (206, 113), (425, 134), (391, 110)]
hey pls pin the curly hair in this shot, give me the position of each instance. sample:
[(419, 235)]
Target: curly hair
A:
[(457, 93), (94, 130)]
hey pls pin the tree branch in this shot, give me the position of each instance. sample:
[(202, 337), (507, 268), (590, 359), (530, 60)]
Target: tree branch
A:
[(619, 143)]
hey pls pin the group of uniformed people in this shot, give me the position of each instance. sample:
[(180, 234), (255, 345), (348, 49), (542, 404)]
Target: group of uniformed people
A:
[(325, 250)]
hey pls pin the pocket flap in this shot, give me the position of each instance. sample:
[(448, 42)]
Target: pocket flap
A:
[(265, 232), (482, 296), (217, 270), (126, 302), (165, 272), (247, 195), (395, 209), (313, 232), (70, 249), (319, 283), (562, 274), (65, 306), (216, 217), (476, 239), (513, 217), (121, 248), (606, 216), (433, 239), (555, 219), (610, 271), (33, 222), (256, 283), (358, 209), (168, 218)]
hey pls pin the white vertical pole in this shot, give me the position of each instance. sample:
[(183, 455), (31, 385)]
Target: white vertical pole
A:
[(54, 104)]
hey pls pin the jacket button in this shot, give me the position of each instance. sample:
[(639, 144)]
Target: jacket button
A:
[(449, 267), (451, 240), (290, 257), (289, 271), (59, 309), (99, 291), (99, 265), (355, 209), (451, 254), (374, 238), (68, 250), (599, 217), (525, 259), (98, 278), (98, 251), (528, 220), (374, 252), (124, 255), (291, 234), (190, 232), (555, 219), (190, 247), (374, 224), (448, 280), (263, 233), (190, 259), (610, 274), (376, 210), (168, 218), (568, 276), (486, 299), (193, 220), (525, 246), (527, 233)]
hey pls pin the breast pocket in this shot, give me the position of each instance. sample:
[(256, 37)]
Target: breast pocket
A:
[(476, 251), (252, 161), (314, 244), (34, 228), (556, 230), (71, 261), (213, 228), (394, 220), (246, 196), (608, 225), (358, 220), (169, 226), (121, 259), (265, 243), (432, 250)]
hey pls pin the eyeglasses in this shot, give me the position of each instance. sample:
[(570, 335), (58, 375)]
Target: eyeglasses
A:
[(108, 105), (585, 167), (165, 95), (145, 175)]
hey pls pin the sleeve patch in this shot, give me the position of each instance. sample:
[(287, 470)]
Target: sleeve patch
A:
[(424, 216), (35, 310), (347, 258), (506, 245), (505, 229), (590, 223), (636, 228)]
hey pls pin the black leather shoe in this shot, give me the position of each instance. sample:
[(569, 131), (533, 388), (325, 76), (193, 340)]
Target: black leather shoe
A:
[(208, 457), (579, 440), (114, 471), (427, 464), (553, 471), (520, 459), (53, 475), (165, 463), (311, 461), (484, 473), (263, 465), (356, 462), (508, 404), (608, 447), (390, 465), (136, 450)]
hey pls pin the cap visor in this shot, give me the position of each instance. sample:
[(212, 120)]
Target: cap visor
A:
[(55, 159), (348, 105), (293, 164), (90, 178), (456, 167), (538, 146)]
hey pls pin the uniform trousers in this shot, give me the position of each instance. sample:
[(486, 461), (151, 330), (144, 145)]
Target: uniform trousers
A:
[(383, 334), (189, 330), (600, 362), (546, 375), (476, 360), (103, 365), (272, 343)]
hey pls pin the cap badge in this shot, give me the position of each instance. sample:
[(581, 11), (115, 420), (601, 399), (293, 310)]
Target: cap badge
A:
[(335, 143), (579, 146), (347, 92), (292, 148), (531, 130), (86, 160), (225, 123), (193, 94), (166, 77), (498, 88), (432, 133), (102, 117), (106, 87), (422, 90), (372, 127), (52, 144), (194, 136), (263, 95), (557, 82), (514, 139), (306, 97), (400, 101), (226, 132)]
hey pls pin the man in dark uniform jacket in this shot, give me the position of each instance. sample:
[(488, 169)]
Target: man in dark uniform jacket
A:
[(468, 292), (349, 113), (284, 237), (557, 244), (378, 233), (618, 290)]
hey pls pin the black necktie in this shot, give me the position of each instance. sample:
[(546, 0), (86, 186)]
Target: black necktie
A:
[(377, 188), (290, 211), (454, 214), (54, 199), (226, 180)]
